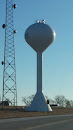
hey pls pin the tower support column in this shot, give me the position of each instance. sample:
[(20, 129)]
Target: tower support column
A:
[(39, 72), (39, 102)]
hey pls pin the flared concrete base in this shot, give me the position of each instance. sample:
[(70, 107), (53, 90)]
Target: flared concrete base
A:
[(39, 104)]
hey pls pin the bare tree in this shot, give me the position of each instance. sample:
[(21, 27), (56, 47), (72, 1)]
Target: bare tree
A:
[(60, 100), (27, 100), (71, 103), (68, 103)]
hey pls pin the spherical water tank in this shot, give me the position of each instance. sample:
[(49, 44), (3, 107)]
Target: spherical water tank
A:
[(39, 36)]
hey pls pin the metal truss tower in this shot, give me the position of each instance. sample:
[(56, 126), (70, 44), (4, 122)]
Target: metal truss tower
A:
[(9, 72)]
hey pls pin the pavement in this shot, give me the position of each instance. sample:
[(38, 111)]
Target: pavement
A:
[(57, 122)]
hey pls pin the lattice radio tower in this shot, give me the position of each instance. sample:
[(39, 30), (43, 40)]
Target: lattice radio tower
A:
[(9, 72)]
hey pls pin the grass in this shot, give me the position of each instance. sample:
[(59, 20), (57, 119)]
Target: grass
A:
[(12, 113)]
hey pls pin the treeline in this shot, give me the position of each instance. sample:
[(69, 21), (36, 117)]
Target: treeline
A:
[(59, 100)]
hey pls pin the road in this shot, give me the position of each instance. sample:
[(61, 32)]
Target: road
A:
[(60, 122)]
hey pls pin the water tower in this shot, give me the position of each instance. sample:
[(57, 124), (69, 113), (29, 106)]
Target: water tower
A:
[(39, 36)]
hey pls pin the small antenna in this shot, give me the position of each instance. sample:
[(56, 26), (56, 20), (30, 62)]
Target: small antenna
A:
[(43, 21), (40, 21)]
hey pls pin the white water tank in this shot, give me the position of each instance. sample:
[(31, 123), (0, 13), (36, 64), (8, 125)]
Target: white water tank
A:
[(39, 36)]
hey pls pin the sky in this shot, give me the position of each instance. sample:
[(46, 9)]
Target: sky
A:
[(57, 58)]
